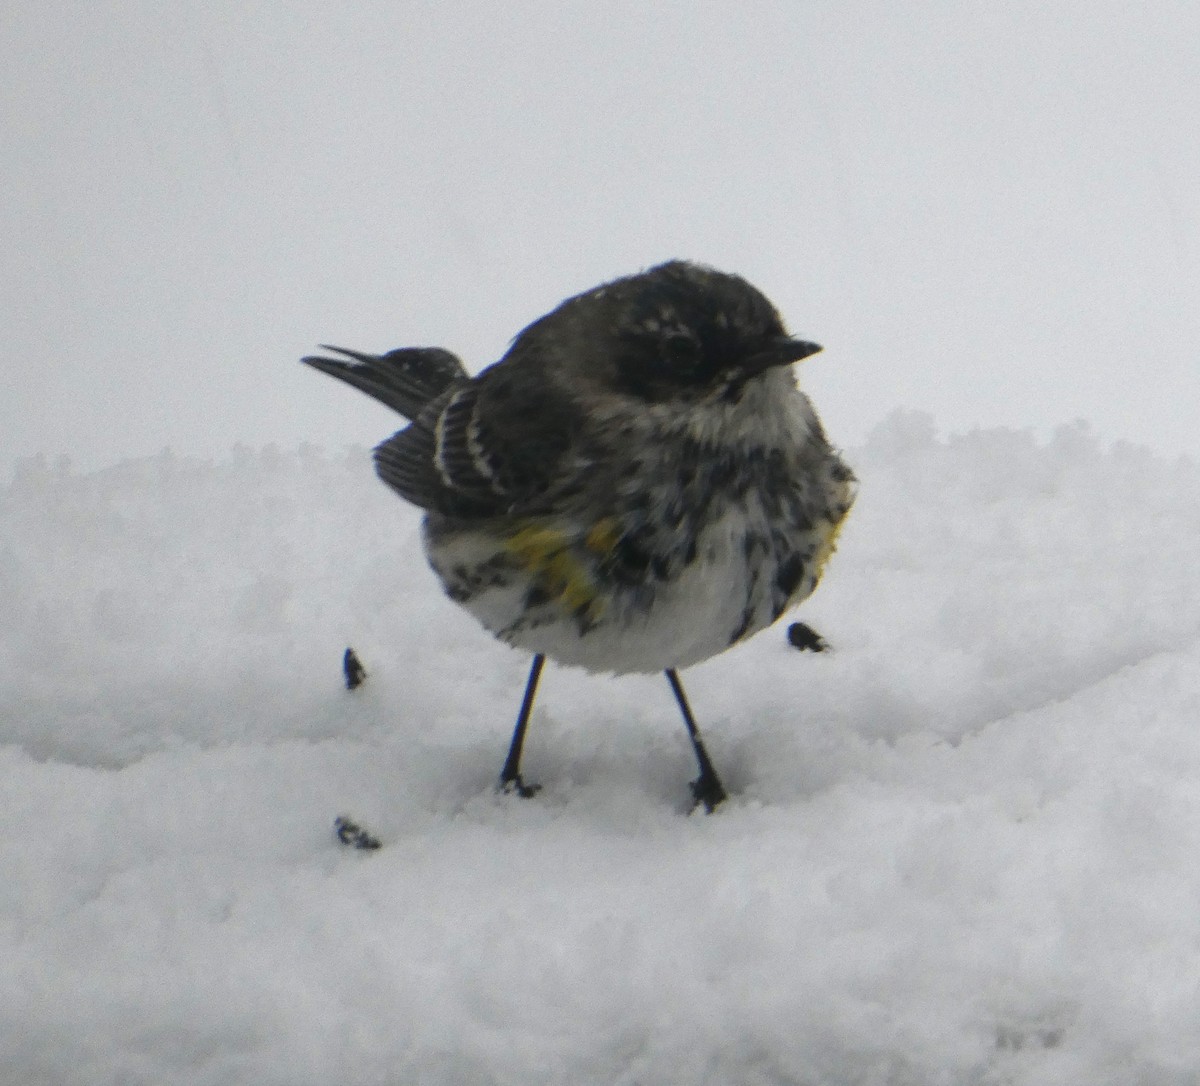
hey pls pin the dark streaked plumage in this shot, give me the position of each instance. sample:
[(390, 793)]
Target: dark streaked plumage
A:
[(635, 486)]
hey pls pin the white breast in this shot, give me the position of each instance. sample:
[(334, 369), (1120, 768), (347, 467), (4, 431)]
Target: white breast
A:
[(706, 603)]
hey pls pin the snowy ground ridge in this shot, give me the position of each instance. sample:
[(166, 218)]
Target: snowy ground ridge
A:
[(964, 845)]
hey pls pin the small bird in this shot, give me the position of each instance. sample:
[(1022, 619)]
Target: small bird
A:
[(637, 485)]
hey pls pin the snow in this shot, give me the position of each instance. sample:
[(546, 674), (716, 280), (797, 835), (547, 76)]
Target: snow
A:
[(964, 844)]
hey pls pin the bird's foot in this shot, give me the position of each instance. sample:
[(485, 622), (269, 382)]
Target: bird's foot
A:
[(514, 785), (351, 833), (708, 792)]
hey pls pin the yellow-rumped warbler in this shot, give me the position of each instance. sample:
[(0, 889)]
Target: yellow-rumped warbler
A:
[(635, 486)]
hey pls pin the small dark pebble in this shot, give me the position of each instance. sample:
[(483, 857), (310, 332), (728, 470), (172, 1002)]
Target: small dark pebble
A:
[(354, 671), (805, 638), (351, 833)]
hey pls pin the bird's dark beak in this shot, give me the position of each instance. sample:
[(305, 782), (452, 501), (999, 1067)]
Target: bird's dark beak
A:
[(781, 352)]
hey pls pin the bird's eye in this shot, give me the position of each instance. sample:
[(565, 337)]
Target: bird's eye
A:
[(680, 350)]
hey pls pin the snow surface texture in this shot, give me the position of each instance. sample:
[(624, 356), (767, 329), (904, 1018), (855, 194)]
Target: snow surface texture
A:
[(964, 845)]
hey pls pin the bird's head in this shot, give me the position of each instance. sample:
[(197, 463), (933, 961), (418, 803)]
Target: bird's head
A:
[(683, 331)]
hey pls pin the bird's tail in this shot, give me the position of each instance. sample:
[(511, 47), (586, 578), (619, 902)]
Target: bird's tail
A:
[(405, 379)]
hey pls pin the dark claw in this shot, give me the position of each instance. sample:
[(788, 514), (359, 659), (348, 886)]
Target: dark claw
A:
[(805, 638), (352, 834), (353, 670), (707, 791), (515, 786)]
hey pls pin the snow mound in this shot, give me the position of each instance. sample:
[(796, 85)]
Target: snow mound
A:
[(964, 845)]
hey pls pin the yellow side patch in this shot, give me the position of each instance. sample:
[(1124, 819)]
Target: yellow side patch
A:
[(546, 553), (535, 543), (826, 548), (604, 536)]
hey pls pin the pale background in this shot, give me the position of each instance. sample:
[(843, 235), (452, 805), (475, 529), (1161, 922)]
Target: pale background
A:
[(961, 847), (986, 211)]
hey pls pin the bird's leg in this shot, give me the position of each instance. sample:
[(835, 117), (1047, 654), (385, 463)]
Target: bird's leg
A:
[(510, 775), (706, 788)]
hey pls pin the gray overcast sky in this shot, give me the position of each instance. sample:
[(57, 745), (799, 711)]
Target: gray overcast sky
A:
[(989, 211)]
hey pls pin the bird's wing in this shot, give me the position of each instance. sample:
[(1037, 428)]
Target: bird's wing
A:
[(479, 451)]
